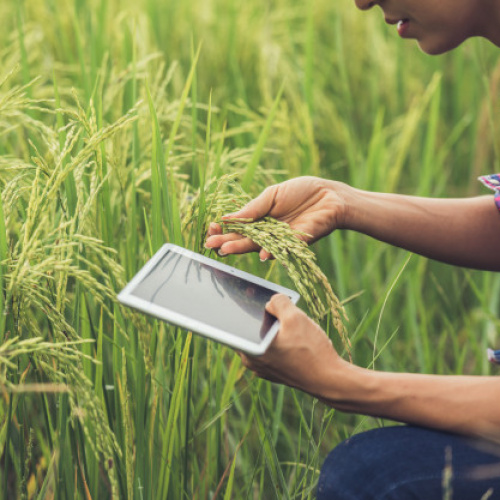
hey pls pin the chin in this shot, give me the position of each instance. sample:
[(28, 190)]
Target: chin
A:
[(437, 47)]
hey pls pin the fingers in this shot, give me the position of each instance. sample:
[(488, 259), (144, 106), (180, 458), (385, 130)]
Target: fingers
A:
[(231, 243), (238, 246), (265, 255), (214, 229), (258, 207), (217, 240), (280, 306), (261, 370), (245, 360)]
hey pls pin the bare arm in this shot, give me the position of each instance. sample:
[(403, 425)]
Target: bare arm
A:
[(466, 405), (463, 232), (302, 356)]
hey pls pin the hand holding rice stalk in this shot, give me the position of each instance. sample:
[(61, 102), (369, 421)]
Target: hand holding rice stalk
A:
[(290, 250)]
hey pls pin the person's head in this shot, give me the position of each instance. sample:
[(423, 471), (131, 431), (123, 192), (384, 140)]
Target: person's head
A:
[(440, 25)]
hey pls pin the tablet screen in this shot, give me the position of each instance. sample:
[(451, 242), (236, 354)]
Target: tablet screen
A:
[(207, 294)]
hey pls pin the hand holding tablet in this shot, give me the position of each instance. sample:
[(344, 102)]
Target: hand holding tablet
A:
[(206, 297)]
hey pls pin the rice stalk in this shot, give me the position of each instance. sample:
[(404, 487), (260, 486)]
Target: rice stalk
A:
[(52, 253), (74, 201), (127, 426)]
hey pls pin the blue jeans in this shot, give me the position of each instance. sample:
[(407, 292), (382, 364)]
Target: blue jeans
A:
[(403, 463)]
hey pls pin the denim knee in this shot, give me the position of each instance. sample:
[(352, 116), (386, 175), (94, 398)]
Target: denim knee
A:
[(339, 474), (382, 464), (403, 463)]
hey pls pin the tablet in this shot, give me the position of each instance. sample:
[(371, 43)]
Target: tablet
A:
[(206, 297)]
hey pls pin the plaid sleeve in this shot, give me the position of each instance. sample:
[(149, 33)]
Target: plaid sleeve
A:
[(493, 182)]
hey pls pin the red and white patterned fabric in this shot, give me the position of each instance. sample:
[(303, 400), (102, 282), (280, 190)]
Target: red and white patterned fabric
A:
[(493, 182)]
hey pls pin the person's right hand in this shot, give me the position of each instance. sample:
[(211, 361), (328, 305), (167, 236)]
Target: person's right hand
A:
[(308, 204)]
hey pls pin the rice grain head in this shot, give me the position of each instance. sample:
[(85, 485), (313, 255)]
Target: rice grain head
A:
[(285, 244)]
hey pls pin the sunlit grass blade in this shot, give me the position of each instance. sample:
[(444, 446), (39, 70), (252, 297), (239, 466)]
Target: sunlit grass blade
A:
[(104, 194), (48, 482), (429, 160), (168, 184), (169, 433), (261, 143), (382, 310), (128, 427), (3, 267), (202, 174), (69, 182), (81, 53), (230, 480), (62, 487), (271, 458), (156, 148), (217, 171), (278, 414), (6, 449), (195, 178), (309, 65), (22, 45), (409, 129)]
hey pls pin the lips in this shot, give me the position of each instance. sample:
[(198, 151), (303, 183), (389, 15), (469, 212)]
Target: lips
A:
[(403, 26), (402, 23)]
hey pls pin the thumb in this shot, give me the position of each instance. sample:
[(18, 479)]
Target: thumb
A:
[(279, 306), (257, 208)]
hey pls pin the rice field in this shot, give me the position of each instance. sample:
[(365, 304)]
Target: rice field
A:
[(124, 125)]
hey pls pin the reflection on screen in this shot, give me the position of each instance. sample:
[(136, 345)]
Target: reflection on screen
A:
[(212, 296)]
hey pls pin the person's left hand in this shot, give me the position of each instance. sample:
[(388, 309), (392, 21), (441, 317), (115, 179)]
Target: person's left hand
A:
[(301, 355)]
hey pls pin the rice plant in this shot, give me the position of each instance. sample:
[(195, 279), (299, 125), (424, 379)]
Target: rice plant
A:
[(127, 124)]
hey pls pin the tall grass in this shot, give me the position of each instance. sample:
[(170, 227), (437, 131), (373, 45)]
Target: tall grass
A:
[(117, 121)]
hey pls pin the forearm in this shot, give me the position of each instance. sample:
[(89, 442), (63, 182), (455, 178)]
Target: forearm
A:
[(463, 232), (462, 404)]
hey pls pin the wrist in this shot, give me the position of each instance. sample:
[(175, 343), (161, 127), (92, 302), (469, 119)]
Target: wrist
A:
[(350, 388), (368, 212), (346, 198)]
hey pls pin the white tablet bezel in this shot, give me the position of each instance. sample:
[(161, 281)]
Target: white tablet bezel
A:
[(127, 298)]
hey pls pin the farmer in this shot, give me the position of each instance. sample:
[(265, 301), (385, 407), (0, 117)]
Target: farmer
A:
[(452, 419)]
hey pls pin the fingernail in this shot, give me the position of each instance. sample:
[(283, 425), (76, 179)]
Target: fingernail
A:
[(221, 253), (264, 260)]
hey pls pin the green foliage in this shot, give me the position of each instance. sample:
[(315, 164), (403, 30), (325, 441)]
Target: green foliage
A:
[(115, 131)]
